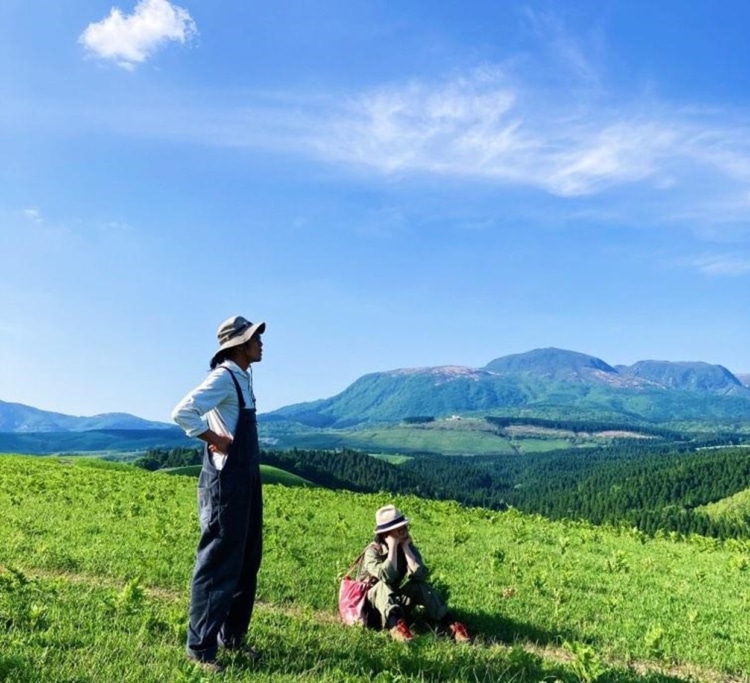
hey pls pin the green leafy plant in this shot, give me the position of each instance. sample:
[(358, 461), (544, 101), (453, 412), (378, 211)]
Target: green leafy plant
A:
[(587, 664)]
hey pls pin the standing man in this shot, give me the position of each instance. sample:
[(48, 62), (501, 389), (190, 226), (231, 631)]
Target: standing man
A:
[(221, 412)]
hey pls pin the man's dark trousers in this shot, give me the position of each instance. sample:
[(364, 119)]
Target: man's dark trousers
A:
[(230, 506)]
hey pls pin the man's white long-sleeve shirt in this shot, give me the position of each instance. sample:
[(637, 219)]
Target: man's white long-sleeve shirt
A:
[(213, 404)]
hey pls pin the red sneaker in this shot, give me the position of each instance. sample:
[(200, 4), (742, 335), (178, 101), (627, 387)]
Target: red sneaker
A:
[(401, 632), (459, 632)]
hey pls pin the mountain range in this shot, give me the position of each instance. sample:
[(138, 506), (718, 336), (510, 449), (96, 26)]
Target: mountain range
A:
[(541, 382), (19, 419), (547, 381)]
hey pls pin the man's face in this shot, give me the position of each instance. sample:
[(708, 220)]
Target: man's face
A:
[(254, 349)]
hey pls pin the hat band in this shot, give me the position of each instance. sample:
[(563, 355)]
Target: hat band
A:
[(235, 333), (388, 525)]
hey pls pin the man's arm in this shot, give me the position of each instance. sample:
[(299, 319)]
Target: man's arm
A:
[(189, 412), (217, 443)]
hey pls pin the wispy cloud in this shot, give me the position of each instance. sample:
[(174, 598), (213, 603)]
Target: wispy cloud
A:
[(726, 148), (128, 40), (723, 265), (482, 126), (571, 51), (33, 215), (462, 127)]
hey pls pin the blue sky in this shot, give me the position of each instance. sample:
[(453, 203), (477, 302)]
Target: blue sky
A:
[(385, 184)]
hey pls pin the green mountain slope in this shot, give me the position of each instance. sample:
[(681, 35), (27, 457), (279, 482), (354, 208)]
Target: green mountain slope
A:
[(551, 362), (392, 396), (686, 376)]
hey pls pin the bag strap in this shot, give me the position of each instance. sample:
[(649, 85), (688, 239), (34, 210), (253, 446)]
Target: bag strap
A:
[(356, 564)]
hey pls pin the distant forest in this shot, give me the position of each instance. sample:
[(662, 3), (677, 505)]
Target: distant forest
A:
[(655, 488)]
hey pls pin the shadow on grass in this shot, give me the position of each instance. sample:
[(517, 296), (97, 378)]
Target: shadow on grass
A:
[(458, 664), (14, 668), (495, 628), (332, 652)]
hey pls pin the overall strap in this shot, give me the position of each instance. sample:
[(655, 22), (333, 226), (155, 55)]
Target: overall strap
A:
[(240, 398)]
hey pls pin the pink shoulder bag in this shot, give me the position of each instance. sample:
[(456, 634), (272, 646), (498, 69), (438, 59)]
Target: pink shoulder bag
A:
[(353, 596)]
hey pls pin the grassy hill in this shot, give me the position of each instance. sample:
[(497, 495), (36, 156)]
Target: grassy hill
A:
[(268, 473), (97, 556)]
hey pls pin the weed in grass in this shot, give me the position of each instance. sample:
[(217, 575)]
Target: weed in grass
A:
[(616, 562), (540, 584), (654, 640), (586, 664)]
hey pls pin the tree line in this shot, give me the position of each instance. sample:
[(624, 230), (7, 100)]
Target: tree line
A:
[(655, 492), (435, 477), (652, 487)]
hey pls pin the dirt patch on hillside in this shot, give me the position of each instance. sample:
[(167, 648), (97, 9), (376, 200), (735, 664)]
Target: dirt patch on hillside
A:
[(618, 434), (529, 430)]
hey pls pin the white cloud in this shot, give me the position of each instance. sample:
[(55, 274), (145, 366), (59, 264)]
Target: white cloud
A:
[(723, 265), (483, 127), (34, 215), (129, 40), (460, 128), (605, 153), (725, 148)]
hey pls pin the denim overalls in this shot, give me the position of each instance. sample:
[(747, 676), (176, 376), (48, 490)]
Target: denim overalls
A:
[(230, 507)]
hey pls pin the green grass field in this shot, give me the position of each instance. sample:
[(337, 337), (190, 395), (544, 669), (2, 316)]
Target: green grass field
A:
[(96, 560)]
